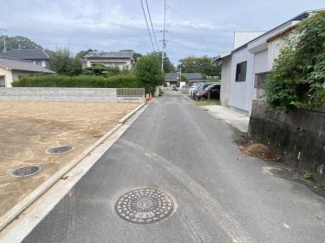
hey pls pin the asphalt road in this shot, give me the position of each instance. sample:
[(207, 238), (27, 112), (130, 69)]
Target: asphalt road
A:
[(220, 194)]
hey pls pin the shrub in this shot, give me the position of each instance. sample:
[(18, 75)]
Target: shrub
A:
[(298, 77), (100, 69), (83, 81)]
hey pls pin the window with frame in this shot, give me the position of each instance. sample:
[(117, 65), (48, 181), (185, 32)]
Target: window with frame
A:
[(38, 62), (2, 81), (241, 71)]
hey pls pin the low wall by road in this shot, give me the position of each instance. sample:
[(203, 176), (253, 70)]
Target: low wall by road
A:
[(70, 94), (298, 136)]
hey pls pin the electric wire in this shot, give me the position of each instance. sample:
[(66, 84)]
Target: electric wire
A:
[(145, 17), (153, 30)]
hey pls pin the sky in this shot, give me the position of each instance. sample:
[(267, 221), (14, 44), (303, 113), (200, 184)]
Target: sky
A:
[(204, 27)]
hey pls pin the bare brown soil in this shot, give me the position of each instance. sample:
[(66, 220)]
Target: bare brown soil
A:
[(28, 129)]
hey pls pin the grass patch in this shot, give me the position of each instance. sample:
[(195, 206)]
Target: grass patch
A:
[(207, 102), (309, 176)]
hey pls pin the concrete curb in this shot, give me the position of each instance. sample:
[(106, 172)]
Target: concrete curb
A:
[(124, 119), (39, 191), (188, 98)]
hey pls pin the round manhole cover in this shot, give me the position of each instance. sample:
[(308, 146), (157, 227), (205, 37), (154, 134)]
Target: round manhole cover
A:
[(26, 171), (59, 150), (144, 206)]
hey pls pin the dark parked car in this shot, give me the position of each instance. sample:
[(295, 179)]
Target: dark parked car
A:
[(202, 87), (210, 92)]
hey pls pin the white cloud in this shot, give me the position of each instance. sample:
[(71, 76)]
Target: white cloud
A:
[(102, 24)]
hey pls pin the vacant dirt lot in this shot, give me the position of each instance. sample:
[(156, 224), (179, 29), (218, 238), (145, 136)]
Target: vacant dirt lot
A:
[(28, 129)]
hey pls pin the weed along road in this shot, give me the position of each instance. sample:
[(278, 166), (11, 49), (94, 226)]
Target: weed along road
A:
[(177, 176)]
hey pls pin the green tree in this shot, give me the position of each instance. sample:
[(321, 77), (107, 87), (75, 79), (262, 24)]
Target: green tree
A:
[(19, 42), (184, 78), (101, 70), (298, 76), (64, 64), (81, 54), (137, 56), (168, 65), (148, 71), (202, 65)]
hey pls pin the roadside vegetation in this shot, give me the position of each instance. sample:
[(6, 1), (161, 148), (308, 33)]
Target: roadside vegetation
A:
[(146, 74), (148, 71), (298, 77), (81, 81)]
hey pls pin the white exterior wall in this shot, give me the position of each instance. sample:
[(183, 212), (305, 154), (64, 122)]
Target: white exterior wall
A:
[(243, 37), (260, 56), (111, 62), (225, 80), (8, 76), (241, 92), (12, 75), (275, 49)]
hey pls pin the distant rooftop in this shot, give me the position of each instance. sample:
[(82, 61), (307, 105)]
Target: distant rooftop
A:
[(17, 64), (26, 54), (114, 54)]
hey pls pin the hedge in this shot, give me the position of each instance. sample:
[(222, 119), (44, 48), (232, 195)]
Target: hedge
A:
[(83, 81)]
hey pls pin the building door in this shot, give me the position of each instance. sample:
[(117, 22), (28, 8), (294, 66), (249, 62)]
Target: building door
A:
[(2, 81)]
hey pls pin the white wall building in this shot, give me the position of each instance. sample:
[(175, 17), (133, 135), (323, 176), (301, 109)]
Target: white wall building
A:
[(120, 59), (244, 69), (12, 69)]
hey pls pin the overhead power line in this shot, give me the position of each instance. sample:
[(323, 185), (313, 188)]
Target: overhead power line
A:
[(149, 32), (185, 46), (153, 30), (197, 25), (82, 40)]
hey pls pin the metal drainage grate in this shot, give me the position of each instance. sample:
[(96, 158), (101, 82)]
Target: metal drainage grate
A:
[(26, 171), (59, 150), (144, 206)]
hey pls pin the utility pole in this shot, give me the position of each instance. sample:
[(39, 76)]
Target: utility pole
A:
[(164, 38), (180, 77), (4, 40)]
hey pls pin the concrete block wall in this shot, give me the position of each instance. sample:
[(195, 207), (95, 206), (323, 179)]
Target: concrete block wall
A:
[(298, 136), (64, 94)]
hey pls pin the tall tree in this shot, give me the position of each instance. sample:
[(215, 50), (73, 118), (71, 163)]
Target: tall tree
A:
[(137, 56), (168, 65), (64, 64), (148, 71), (19, 42), (202, 65)]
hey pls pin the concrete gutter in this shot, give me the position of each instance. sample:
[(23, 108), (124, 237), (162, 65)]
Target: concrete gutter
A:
[(44, 187), (124, 119)]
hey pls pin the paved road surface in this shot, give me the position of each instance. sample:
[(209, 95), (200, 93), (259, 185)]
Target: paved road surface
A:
[(221, 195)]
